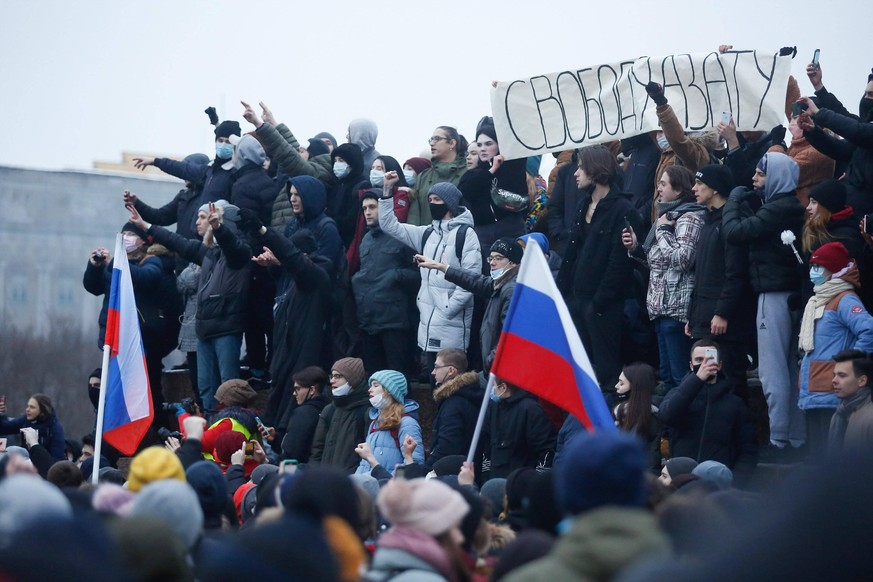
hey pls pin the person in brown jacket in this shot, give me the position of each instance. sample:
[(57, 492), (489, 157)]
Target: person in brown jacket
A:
[(815, 167)]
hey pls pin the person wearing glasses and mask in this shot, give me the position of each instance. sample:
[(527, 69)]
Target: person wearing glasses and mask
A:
[(343, 423), (447, 150), (503, 260)]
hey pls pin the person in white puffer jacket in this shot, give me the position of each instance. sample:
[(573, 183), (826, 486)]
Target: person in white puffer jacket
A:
[(446, 310)]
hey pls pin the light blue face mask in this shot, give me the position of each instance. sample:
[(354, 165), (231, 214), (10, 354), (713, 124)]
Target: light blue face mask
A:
[(817, 275), (497, 273), (493, 396), (224, 151), (410, 177), (377, 177), (663, 143), (340, 170)]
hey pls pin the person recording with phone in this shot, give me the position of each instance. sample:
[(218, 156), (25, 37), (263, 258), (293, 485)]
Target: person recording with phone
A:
[(39, 425), (707, 421)]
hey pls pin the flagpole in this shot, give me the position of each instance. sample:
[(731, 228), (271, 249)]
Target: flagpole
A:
[(101, 405), (481, 420)]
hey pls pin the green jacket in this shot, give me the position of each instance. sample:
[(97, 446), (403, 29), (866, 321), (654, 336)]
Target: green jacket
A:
[(282, 148), (599, 545), (419, 211)]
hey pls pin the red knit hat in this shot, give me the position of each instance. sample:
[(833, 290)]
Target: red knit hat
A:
[(833, 256), (418, 164)]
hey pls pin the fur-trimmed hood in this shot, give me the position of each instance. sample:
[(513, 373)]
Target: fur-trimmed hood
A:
[(455, 385), (159, 250)]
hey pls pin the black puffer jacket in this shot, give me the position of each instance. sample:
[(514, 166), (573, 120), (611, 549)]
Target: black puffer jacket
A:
[(856, 148), (476, 186), (385, 282), (499, 294), (709, 424), (721, 284), (225, 273), (341, 426), (300, 429), (596, 265), (772, 265), (254, 189), (181, 211), (458, 401), (516, 433)]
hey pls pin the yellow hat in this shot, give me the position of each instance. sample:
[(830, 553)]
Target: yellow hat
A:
[(154, 464)]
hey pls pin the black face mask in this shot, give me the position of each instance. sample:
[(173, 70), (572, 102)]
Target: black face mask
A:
[(864, 108), (624, 396), (438, 211)]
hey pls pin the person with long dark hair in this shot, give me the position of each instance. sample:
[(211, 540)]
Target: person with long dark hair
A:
[(39, 414), (636, 411)]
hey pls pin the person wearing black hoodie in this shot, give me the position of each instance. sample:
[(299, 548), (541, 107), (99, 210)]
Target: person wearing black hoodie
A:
[(299, 431), (342, 200), (458, 397), (308, 202), (597, 272)]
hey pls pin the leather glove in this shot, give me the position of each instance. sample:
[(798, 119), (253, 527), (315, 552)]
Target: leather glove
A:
[(213, 116), (777, 134), (249, 221), (656, 92)]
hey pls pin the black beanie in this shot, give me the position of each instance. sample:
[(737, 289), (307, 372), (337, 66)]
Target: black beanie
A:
[(131, 227), (508, 247), (227, 129), (718, 177), (317, 148), (831, 194)]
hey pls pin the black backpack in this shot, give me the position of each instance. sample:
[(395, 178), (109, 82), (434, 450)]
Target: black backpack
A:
[(459, 239)]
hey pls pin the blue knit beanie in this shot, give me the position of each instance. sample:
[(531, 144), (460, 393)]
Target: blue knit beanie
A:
[(600, 469), (393, 381), (449, 194)]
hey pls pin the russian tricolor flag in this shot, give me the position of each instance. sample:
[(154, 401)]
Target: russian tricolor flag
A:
[(540, 349), (127, 411)]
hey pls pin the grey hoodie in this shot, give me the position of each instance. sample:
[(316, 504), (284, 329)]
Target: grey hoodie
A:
[(782, 174), (363, 133), (249, 150)]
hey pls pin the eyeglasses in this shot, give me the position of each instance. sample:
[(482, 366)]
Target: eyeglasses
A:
[(335, 376), (296, 387), (436, 139), (443, 366), (495, 258)]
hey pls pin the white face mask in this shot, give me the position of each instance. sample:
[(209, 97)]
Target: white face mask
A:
[(378, 401), (377, 177), (340, 170), (341, 390), (663, 143), (497, 273), (410, 177), (131, 243)]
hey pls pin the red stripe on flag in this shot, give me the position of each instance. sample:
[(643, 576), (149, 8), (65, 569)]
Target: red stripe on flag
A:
[(111, 338), (551, 377)]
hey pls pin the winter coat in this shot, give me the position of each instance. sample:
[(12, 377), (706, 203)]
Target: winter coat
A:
[(772, 265), (387, 444), (600, 544), (564, 158), (315, 220), (283, 149), (51, 433), (419, 210), (744, 160), (709, 424), (476, 185), (563, 208), (596, 265), (401, 211), (342, 424), (446, 310), (384, 283), (671, 267), (409, 555), (458, 401), (856, 148), (684, 150), (815, 167), (342, 199), (154, 287), (300, 321), (181, 211), (721, 284), (859, 432), (842, 228), (639, 176), (516, 433), (225, 273), (845, 325), (300, 429), (255, 190), (499, 294), (187, 283), (215, 181)]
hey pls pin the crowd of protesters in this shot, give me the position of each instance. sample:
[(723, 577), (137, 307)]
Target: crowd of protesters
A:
[(333, 279)]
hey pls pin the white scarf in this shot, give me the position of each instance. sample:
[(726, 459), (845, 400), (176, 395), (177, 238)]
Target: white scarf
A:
[(815, 308)]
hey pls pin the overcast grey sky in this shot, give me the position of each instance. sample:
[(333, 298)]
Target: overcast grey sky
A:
[(83, 81)]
